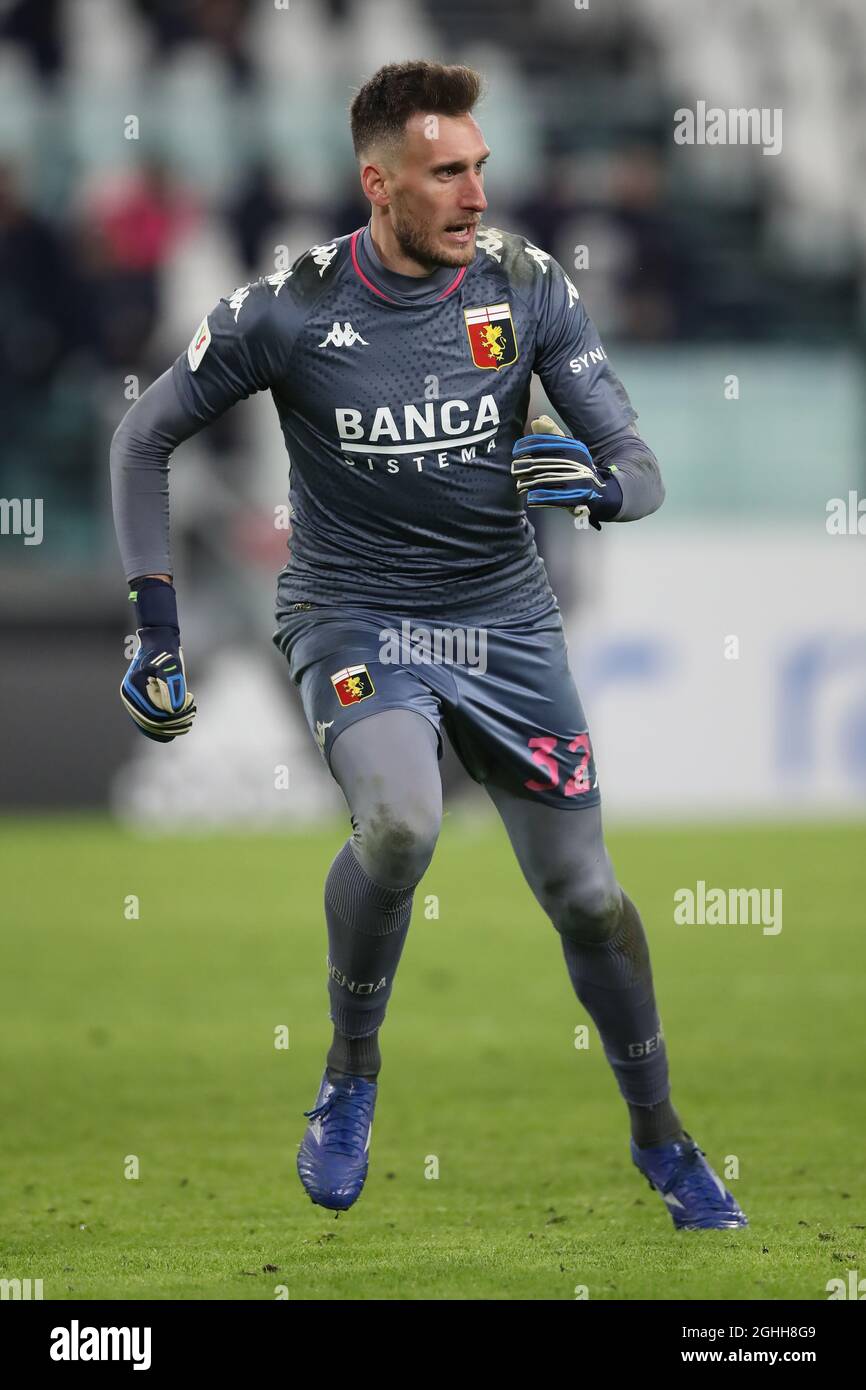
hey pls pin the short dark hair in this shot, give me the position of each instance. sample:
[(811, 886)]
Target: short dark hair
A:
[(383, 105)]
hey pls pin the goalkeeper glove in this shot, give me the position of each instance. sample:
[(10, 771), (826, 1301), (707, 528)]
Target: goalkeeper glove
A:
[(153, 691), (554, 470)]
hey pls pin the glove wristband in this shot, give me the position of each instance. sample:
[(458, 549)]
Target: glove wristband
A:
[(155, 603), (611, 502)]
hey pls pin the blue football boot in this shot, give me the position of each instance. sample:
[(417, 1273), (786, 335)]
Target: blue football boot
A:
[(334, 1153), (696, 1197)]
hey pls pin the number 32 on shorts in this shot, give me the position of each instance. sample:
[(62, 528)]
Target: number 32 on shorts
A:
[(543, 747)]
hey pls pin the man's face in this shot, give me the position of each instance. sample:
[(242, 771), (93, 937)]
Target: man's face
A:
[(435, 184)]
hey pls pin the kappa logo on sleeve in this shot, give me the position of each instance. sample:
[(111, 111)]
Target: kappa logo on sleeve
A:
[(199, 345), (353, 684)]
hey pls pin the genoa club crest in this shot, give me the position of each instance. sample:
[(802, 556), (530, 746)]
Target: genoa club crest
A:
[(492, 336), (352, 684)]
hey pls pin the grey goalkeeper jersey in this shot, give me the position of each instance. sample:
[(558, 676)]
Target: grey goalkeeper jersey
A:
[(399, 402)]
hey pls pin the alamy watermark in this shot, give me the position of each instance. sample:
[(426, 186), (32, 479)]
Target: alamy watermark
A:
[(729, 907), (20, 1289), (22, 516), (741, 125), (855, 1287), (77, 1343), (416, 645), (846, 516)]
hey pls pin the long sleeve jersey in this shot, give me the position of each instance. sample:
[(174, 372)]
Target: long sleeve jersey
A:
[(399, 400)]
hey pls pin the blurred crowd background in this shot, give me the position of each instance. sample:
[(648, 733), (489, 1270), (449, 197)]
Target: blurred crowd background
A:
[(156, 153)]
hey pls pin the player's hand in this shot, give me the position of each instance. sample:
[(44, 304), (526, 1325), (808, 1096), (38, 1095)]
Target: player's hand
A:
[(554, 470), (153, 691)]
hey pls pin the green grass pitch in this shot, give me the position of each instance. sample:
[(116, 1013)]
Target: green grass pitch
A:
[(154, 1038)]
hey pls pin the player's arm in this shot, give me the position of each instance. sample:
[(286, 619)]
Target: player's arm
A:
[(616, 475), (227, 360), (153, 690)]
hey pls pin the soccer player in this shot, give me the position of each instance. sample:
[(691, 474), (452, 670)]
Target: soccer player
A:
[(399, 359)]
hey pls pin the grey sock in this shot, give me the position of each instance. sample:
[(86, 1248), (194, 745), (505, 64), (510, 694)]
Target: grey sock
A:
[(367, 926)]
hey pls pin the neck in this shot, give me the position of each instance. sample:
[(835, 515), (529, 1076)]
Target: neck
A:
[(389, 250)]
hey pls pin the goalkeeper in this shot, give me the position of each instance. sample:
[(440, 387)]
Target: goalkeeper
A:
[(400, 359)]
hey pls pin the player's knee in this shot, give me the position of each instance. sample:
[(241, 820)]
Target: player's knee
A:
[(586, 908), (395, 844)]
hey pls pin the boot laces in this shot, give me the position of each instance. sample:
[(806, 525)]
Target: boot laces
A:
[(347, 1122), (690, 1179)]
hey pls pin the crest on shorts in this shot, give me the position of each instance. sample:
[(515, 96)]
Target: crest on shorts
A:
[(492, 335), (352, 684)]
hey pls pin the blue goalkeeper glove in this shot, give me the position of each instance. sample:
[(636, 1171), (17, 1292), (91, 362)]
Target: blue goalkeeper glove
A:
[(554, 470), (153, 691)]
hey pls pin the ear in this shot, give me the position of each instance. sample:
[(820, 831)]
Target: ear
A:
[(544, 425), (373, 183)]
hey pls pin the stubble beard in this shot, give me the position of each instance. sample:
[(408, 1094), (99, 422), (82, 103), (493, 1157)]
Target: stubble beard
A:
[(416, 242)]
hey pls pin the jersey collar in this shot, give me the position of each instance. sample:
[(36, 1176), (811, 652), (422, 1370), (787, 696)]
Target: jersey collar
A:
[(391, 299)]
